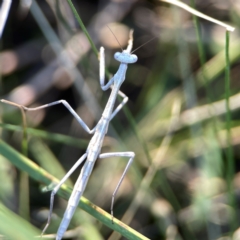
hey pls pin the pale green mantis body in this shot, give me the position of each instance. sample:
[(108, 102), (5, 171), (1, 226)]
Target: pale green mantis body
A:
[(93, 151)]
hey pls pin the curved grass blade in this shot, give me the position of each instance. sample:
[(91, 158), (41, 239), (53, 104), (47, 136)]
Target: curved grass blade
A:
[(56, 137), (40, 175), (10, 220)]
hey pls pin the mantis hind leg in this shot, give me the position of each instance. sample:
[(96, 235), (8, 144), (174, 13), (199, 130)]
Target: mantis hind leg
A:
[(131, 156), (57, 187)]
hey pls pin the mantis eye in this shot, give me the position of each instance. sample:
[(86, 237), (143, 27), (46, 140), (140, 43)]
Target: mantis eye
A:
[(117, 55)]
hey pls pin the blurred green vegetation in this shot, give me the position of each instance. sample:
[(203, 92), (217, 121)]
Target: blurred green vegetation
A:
[(184, 182)]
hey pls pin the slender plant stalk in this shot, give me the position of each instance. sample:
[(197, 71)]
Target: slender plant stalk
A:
[(80, 22), (201, 53), (229, 150), (24, 204), (23, 183)]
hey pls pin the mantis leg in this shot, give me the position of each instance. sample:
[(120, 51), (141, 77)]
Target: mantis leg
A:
[(120, 106), (57, 187), (131, 156), (65, 103)]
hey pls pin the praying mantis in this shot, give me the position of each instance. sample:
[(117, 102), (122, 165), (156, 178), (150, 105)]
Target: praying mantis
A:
[(93, 151)]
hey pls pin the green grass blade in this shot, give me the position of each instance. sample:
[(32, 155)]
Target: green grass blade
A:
[(80, 22), (216, 65), (40, 175), (56, 137), (14, 227)]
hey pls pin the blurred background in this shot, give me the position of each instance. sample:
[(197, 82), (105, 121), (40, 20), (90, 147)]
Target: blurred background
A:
[(182, 184)]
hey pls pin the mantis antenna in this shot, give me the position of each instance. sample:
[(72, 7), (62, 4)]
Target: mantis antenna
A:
[(143, 44), (115, 37)]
